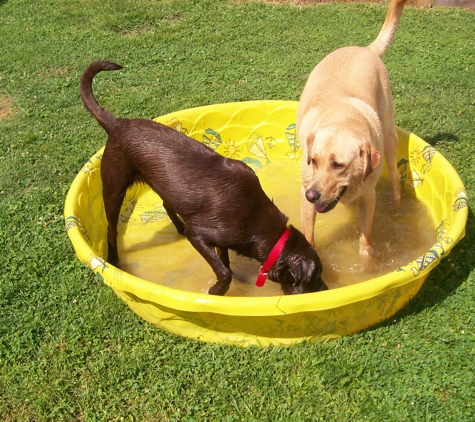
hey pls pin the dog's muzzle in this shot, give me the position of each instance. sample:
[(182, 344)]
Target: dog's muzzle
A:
[(314, 196)]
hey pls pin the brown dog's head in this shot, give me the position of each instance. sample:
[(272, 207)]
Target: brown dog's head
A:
[(298, 268), (339, 163)]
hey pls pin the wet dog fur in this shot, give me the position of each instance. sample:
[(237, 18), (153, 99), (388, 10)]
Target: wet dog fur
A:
[(216, 202)]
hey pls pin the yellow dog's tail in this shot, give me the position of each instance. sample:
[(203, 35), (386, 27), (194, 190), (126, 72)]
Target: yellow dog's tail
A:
[(386, 35)]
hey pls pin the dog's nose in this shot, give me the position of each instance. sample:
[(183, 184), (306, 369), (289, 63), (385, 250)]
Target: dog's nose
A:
[(312, 195), (297, 290)]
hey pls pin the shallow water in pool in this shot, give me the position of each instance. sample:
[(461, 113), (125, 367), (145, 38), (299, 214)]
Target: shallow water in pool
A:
[(156, 252)]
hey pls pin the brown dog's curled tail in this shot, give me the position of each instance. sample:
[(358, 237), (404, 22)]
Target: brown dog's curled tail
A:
[(386, 35), (104, 118)]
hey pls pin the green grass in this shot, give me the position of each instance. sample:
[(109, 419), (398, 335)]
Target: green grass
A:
[(71, 350)]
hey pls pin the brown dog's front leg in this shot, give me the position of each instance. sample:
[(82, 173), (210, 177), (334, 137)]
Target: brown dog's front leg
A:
[(209, 253)]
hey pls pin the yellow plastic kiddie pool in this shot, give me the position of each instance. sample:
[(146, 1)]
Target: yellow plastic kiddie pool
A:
[(262, 134)]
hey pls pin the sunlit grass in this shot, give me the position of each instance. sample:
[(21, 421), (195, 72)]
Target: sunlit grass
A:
[(71, 350)]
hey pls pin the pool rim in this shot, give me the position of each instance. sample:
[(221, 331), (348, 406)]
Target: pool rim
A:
[(252, 306)]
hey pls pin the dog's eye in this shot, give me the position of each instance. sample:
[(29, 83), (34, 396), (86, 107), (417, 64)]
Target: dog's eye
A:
[(314, 163), (337, 166)]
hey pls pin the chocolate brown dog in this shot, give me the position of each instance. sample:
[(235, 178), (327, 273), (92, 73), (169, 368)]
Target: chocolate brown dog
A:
[(216, 202)]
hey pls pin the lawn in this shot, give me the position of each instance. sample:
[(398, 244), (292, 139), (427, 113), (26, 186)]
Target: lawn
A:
[(70, 350)]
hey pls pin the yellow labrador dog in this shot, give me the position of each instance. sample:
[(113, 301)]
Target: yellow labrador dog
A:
[(345, 123)]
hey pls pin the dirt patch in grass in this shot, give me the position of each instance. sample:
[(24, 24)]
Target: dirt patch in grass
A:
[(59, 71), (6, 108)]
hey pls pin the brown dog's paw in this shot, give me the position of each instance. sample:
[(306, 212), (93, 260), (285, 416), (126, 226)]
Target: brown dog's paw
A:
[(113, 259), (218, 289), (114, 262)]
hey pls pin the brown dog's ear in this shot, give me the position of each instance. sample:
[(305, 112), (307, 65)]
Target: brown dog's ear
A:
[(309, 140), (302, 269), (371, 158)]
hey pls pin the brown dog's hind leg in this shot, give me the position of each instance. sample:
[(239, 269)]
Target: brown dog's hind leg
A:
[(209, 253), (224, 256), (112, 204), (114, 188), (180, 227)]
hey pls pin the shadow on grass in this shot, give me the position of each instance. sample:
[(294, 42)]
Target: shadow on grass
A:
[(444, 279), (441, 137)]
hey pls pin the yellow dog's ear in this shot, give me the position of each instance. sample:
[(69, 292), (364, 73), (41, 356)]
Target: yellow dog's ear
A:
[(309, 140), (371, 158)]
